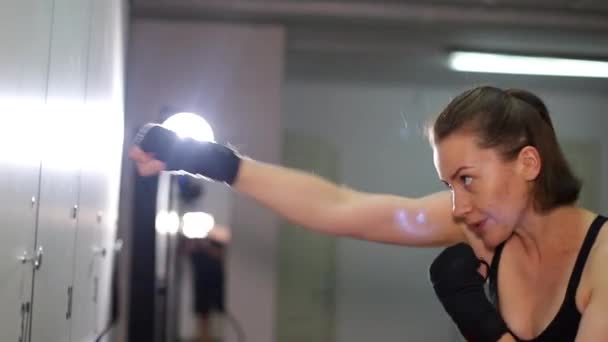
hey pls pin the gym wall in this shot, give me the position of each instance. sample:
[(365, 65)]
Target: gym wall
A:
[(375, 125), (354, 104), (230, 74), (367, 92)]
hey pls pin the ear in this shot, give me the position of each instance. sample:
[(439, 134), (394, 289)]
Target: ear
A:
[(529, 163)]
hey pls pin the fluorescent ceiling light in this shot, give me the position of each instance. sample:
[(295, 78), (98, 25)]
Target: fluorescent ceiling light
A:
[(526, 65)]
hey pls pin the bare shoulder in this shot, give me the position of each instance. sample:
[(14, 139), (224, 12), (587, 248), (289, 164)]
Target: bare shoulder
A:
[(594, 304), (599, 253), (595, 277)]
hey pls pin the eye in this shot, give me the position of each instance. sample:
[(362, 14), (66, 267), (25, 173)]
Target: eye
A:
[(466, 180)]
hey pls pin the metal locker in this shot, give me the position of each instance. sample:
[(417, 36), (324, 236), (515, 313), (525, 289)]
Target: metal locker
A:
[(89, 256), (56, 237), (59, 181), (23, 66), (100, 173), (90, 252), (18, 193), (94, 251), (100, 178), (43, 87)]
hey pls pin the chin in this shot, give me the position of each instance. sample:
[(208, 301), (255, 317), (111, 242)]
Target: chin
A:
[(491, 241), (490, 244), (492, 234)]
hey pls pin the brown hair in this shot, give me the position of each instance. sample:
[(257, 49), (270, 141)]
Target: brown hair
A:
[(509, 120)]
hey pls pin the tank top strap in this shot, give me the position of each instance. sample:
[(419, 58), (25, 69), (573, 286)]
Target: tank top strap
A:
[(583, 254)]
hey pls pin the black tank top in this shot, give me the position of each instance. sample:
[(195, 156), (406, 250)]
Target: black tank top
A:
[(565, 323)]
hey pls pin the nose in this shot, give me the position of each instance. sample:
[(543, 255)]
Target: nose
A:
[(461, 204)]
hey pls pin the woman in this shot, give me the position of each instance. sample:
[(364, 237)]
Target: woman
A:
[(511, 194)]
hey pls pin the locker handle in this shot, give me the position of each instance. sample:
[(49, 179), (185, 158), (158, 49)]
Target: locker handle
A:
[(68, 313), (21, 334), (25, 259), (36, 260), (25, 310)]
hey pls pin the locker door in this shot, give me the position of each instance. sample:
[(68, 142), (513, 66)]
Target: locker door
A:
[(56, 237), (58, 212), (90, 254), (100, 173), (23, 63), (95, 239)]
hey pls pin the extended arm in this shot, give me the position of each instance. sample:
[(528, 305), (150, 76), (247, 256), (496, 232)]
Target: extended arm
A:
[(304, 198)]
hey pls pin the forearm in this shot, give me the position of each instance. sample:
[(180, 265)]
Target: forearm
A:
[(298, 196), (320, 205)]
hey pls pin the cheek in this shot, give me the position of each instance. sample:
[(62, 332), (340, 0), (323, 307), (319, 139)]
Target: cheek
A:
[(503, 194), (510, 200)]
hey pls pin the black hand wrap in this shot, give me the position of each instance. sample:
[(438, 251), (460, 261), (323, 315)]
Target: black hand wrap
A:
[(460, 289), (208, 159)]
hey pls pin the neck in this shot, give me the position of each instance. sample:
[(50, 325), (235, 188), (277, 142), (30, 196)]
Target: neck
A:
[(541, 234)]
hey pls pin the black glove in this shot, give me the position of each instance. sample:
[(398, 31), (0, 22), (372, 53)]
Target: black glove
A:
[(460, 289), (208, 159)]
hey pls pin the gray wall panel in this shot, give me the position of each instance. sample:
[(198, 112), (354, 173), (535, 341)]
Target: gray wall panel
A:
[(232, 75)]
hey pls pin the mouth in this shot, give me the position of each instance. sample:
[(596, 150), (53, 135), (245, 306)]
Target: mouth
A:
[(478, 227)]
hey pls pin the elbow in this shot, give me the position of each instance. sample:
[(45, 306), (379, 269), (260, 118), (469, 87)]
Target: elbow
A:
[(341, 223), (339, 218), (344, 219)]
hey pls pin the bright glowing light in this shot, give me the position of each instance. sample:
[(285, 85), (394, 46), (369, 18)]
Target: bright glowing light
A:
[(526, 65), (167, 222), (20, 132), (101, 138), (197, 224), (63, 134), (63, 140), (413, 224), (421, 218), (190, 125)]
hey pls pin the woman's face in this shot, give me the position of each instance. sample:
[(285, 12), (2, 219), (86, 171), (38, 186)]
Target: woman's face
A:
[(488, 194)]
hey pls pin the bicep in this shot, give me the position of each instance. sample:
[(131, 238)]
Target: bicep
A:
[(594, 322), (425, 221)]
